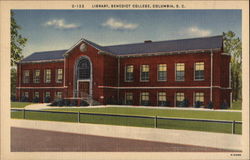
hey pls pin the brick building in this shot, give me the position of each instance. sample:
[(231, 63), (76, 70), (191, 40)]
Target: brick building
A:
[(148, 73)]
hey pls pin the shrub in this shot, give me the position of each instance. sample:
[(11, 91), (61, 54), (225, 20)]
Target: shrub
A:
[(35, 100), (185, 103), (197, 104), (47, 99), (210, 105), (164, 103), (84, 103), (24, 99), (224, 105), (66, 102), (73, 102), (60, 102), (13, 98)]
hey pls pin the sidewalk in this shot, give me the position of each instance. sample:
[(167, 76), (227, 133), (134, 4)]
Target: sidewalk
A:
[(41, 106), (205, 139)]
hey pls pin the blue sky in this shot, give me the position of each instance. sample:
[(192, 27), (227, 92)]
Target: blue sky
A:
[(60, 29)]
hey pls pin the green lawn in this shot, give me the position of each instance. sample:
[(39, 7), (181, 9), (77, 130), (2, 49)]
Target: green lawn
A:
[(19, 104), (142, 122), (218, 115), (237, 105)]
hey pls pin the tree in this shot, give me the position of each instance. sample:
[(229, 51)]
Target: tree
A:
[(233, 46), (13, 82), (17, 44), (17, 41)]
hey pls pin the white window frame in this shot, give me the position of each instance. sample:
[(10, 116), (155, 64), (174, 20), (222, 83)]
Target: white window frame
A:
[(36, 79), (24, 76), (45, 77), (57, 75), (148, 73), (158, 93), (176, 97), (35, 96), (126, 96), (166, 77), (125, 73), (194, 100), (56, 95), (141, 97), (176, 72), (203, 71)]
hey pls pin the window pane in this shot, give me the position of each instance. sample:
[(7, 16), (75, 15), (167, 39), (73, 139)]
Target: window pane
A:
[(59, 75), (180, 71), (83, 69), (47, 76), (199, 70), (36, 78), (162, 72), (26, 76), (145, 72), (129, 72)]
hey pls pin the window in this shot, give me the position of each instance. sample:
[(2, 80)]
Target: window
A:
[(144, 72), (129, 73), (162, 99), (199, 71), (36, 95), (145, 98), (199, 97), (36, 78), (59, 75), (129, 98), (26, 76), (180, 71), (47, 75), (58, 95), (26, 94), (83, 69), (47, 94), (179, 99), (162, 72)]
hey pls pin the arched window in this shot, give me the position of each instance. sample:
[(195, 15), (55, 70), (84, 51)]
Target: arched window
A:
[(83, 69)]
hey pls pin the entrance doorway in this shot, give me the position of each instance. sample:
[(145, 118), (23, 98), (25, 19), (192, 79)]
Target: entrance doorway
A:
[(83, 89)]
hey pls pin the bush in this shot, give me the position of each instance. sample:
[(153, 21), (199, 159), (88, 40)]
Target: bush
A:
[(145, 103), (224, 105), (185, 103), (35, 100), (74, 102), (210, 105), (197, 104), (47, 99), (66, 102), (24, 99), (60, 102), (13, 98), (164, 103), (84, 103)]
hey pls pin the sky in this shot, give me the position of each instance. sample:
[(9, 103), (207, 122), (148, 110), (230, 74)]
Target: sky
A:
[(61, 29)]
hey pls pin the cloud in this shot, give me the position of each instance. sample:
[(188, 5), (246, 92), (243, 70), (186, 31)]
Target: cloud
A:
[(116, 24), (60, 24), (196, 31)]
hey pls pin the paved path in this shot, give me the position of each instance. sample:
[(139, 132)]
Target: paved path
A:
[(30, 140), (41, 106), (205, 139)]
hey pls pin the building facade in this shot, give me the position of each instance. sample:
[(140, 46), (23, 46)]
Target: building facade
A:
[(151, 73)]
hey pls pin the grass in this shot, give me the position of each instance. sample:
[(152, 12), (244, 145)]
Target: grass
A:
[(237, 105), (139, 122), (20, 104), (218, 115)]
